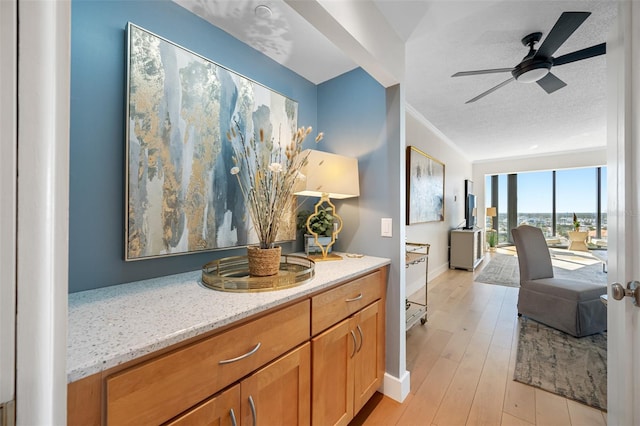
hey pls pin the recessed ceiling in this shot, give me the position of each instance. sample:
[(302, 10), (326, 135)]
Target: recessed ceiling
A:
[(442, 38)]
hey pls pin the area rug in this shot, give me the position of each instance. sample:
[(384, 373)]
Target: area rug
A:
[(583, 266), (501, 270), (575, 368)]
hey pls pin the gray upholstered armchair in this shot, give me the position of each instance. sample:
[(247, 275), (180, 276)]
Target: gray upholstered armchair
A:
[(567, 305)]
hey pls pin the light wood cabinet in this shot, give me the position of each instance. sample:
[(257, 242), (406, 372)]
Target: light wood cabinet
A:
[(275, 394), (332, 393), (348, 366), (337, 304), (157, 390), (258, 372), (279, 394), (369, 357), (220, 410)]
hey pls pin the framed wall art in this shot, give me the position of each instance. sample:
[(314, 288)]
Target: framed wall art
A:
[(425, 187), (180, 195)]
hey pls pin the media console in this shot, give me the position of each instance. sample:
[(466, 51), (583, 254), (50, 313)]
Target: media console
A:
[(466, 249)]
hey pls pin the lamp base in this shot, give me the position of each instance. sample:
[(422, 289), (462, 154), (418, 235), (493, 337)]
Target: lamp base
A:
[(321, 258)]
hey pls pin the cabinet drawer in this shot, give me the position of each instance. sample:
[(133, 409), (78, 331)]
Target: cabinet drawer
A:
[(334, 305), (160, 389)]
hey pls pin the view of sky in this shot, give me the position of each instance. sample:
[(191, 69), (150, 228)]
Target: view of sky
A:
[(576, 191)]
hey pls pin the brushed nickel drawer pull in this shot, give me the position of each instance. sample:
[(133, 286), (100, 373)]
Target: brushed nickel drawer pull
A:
[(361, 337), (254, 414), (358, 297), (233, 418), (355, 342), (238, 358)]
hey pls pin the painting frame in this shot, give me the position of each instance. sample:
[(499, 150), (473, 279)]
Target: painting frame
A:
[(180, 197), (425, 185)]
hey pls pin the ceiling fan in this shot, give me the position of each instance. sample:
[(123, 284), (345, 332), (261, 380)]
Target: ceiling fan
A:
[(536, 66)]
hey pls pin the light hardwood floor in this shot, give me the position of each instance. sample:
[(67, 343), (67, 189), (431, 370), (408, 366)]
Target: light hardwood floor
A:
[(462, 362)]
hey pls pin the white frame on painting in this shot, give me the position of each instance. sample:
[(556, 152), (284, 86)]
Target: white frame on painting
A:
[(425, 187), (180, 197)]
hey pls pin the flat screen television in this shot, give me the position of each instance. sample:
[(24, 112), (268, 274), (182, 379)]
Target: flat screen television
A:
[(469, 212)]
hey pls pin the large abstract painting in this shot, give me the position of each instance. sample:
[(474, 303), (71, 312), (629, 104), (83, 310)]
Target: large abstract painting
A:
[(181, 197), (425, 187)]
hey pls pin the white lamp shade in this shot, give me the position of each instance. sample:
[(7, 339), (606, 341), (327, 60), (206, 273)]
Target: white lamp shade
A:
[(330, 174)]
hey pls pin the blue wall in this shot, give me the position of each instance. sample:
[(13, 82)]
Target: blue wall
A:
[(97, 170), (362, 119), (352, 114)]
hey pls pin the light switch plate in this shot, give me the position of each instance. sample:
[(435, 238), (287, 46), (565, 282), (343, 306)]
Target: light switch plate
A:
[(385, 227)]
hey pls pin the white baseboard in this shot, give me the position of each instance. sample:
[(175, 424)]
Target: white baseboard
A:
[(396, 388)]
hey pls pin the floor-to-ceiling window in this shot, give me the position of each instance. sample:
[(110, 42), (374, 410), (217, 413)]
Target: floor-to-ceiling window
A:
[(549, 200), (535, 201), (497, 196), (601, 230), (576, 195)]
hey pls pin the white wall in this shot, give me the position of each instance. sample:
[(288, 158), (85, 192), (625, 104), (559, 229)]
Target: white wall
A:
[(8, 173), (423, 135), (577, 159)]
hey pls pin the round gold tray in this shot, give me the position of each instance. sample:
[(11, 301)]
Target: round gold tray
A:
[(232, 274)]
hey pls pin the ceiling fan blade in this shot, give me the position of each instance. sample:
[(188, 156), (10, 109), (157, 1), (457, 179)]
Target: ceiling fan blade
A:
[(492, 71), (493, 89), (550, 83), (578, 55), (561, 31)]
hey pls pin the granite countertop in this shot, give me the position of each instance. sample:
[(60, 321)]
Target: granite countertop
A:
[(113, 325)]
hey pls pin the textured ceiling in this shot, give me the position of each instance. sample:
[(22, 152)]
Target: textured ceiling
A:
[(444, 37), (284, 36), (519, 119)]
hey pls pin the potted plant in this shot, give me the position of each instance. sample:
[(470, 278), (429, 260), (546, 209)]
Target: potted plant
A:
[(322, 224), (267, 171), (492, 239), (576, 222)]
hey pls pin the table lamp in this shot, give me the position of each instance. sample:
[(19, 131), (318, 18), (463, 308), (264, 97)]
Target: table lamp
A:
[(492, 212), (328, 176)]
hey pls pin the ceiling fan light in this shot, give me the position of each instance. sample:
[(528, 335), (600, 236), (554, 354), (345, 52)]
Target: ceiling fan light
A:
[(533, 75)]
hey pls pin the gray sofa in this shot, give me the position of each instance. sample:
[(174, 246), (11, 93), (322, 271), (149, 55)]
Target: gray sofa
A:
[(567, 305)]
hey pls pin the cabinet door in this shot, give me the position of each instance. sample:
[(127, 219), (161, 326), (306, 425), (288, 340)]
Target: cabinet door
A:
[(369, 357), (221, 410), (332, 392), (279, 394)]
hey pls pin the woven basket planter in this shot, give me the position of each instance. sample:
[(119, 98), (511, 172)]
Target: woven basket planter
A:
[(263, 262)]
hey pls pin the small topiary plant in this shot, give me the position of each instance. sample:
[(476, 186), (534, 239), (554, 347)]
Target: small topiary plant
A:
[(322, 223)]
